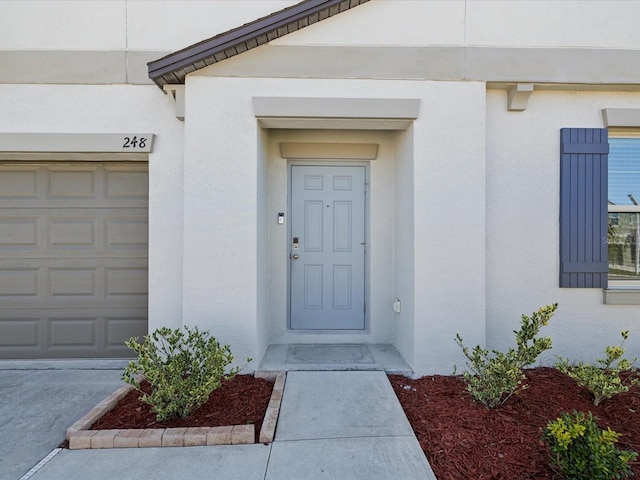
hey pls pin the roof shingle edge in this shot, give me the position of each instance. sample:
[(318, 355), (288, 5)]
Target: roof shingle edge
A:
[(173, 68)]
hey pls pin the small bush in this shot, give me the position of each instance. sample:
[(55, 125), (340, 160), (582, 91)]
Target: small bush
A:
[(492, 377), (581, 451), (602, 379), (183, 368)]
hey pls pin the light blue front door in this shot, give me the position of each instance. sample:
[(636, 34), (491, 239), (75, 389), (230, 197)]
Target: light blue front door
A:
[(327, 247)]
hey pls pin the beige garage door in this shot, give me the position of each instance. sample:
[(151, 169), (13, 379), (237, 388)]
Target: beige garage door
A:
[(73, 258)]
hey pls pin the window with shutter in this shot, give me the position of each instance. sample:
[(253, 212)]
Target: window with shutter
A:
[(583, 207)]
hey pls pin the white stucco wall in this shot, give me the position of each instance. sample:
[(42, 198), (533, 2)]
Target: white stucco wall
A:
[(523, 168), (122, 24), (421, 23), (464, 203), (165, 25), (553, 24), (527, 23), (66, 25), (263, 241), (120, 109), (221, 215), (62, 41), (169, 25), (449, 224), (222, 284), (404, 245), (109, 41)]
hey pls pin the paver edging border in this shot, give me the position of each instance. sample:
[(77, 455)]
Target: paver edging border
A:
[(80, 435)]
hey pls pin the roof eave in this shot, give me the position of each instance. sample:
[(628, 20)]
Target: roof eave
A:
[(173, 68)]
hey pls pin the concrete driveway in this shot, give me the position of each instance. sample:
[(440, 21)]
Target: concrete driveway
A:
[(39, 400), (338, 424)]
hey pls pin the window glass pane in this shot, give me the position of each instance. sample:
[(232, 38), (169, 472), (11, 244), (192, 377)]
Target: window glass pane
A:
[(624, 171), (624, 231)]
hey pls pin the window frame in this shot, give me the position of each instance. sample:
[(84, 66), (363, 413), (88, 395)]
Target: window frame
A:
[(617, 283)]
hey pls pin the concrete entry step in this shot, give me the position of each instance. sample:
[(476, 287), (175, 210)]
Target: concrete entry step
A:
[(333, 357)]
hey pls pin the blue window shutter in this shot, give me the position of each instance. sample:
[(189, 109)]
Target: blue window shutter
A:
[(584, 259)]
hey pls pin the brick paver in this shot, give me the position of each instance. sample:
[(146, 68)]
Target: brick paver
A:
[(127, 438), (81, 437)]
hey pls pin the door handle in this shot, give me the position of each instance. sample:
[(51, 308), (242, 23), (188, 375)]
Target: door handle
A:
[(295, 256)]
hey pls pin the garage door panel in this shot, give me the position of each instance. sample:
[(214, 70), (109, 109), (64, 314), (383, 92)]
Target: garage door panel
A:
[(20, 333), (112, 284), (54, 185), (120, 329), (126, 184), (73, 259), (62, 303), (127, 232), (129, 281), (62, 202), (80, 261), (70, 282), (73, 183), (72, 233), (19, 183), (54, 257), (73, 333), (18, 232), (54, 229), (18, 282)]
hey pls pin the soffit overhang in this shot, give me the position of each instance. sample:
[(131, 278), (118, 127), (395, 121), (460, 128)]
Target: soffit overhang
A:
[(172, 69)]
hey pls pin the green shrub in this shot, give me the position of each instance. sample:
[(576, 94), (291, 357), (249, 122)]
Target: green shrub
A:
[(602, 379), (581, 451), (492, 377), (183, 368)]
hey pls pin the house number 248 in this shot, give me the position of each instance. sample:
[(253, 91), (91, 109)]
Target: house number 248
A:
[(134, 142)]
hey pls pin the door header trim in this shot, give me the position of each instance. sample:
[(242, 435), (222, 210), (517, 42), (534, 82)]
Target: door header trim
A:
[(336, 113), (347, 151)]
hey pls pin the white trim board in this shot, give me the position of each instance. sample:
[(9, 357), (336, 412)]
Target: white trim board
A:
[(318, 107), (132, 142), (336, 113), (621, 117), (359, 151)]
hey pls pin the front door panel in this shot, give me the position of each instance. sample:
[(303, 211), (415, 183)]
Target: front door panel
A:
[(327, 247)]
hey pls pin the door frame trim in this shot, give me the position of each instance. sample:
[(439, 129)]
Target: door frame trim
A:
[(367, 236)]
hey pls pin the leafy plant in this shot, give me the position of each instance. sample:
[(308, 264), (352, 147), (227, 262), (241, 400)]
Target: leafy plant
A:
[(494, 376), (183, 368), (603, 378), (581, 451)]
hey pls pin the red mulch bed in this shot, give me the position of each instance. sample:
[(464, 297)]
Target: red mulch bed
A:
[(239, 401), (464, 440)]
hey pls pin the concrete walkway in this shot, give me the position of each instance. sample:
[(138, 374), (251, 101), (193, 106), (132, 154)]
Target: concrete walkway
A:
[(333, 425), (346, 425), (38, 402)]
